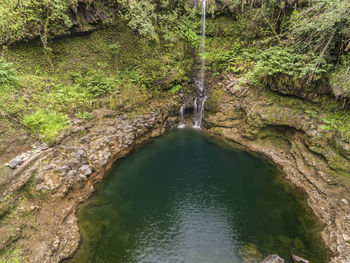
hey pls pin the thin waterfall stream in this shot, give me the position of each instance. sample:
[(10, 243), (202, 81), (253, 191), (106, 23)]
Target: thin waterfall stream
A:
[(201, 92), (199, 102)]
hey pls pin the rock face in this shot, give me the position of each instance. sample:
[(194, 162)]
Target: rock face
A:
[(273, 259), (298, 144), (65, 176)]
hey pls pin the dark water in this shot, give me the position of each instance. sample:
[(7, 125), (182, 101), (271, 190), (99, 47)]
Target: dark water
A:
[(187, 198)]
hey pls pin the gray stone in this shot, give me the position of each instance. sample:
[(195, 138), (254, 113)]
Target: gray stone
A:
[(82, 153), (81, 178), (297, 259), (273, 259), (71, 174), (17, 161), (39, 177), (73, 163), (85, 170)]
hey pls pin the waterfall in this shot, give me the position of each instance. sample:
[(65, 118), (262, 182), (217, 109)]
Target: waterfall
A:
[(201, 96), (200, 85), (182, 118)]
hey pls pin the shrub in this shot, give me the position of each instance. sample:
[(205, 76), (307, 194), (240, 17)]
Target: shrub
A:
[(47, 124), (294, 68), (96, 83)]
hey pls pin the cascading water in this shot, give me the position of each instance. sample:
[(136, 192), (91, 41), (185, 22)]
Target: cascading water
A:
[(201, 96), (182, 118)]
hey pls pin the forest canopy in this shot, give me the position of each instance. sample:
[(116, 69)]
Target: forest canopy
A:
[(313, 36)]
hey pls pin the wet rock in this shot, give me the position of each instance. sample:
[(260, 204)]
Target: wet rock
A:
[(297, 259), (273, 259), (17, 161), (250, 253)]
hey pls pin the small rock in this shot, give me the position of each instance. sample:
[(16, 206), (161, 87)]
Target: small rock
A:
[(39, 177), (7, 164), (73, 163), (82, 153), (17, 161), (32, 208), (81, 178), (344, 201), (56, 243), (273, 259), (71, 174), (85, 170), (346, 237), (47, 167), (297, 259)]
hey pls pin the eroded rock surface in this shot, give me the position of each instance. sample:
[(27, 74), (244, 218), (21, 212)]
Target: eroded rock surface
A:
[(296, 142), (57, 180)]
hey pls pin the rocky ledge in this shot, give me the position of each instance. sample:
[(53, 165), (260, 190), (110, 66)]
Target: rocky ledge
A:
[(38, 208), (297, 143)]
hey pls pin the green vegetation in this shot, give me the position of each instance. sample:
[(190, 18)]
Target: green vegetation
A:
[(111, 68), (7, 74), (146, 47), (12, 257), (46, 124), (303, 42)]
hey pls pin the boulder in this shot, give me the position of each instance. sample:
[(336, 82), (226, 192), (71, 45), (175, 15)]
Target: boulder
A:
[(17, 161), (273, 259)]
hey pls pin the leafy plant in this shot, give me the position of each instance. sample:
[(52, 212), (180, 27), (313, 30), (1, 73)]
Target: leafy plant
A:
[(96, 83), (47, 124), (175, 89), (293, 67), (7, 73)]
